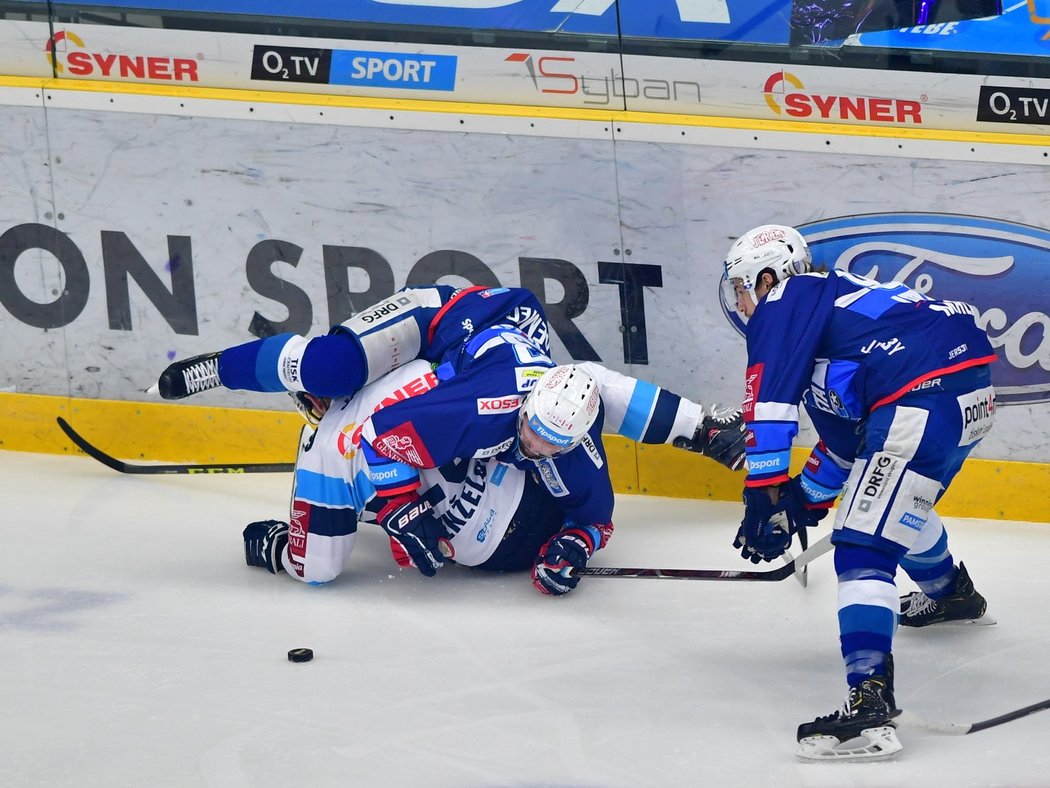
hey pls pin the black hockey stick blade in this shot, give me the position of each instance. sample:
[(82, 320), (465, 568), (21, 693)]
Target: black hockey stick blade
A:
[(126, 467), (781, 573), (963, 728)]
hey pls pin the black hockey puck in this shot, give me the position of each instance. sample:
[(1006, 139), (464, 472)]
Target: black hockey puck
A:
[(300, 655)]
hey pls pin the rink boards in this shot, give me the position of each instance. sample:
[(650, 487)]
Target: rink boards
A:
[(143, 223)]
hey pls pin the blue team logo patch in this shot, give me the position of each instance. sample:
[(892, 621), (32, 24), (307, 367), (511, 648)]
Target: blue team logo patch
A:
[(1000, 267)]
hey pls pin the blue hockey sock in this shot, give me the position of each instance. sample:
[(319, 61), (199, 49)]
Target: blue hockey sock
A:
[(332, 365), (868, 605)]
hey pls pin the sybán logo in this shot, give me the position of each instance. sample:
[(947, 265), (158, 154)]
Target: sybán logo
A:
[(560, 75), (82, 62), (786, 95)]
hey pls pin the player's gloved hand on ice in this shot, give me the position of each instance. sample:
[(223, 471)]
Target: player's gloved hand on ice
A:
[(417, 538), (264, 544), (771, 516), (720, 436), (563, 554)]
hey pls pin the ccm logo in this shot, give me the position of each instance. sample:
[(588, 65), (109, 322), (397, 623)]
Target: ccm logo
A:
[(499, 404)]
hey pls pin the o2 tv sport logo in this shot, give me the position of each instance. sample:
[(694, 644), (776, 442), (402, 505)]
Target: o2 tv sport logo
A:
[(1000, 267)]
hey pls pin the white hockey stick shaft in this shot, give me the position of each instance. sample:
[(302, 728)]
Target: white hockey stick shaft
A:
[(963, 728)]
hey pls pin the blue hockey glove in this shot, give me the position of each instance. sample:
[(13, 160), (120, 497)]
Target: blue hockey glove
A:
[(764, 533), (565, 552), (800, 511), (417, 538), (766, 530)]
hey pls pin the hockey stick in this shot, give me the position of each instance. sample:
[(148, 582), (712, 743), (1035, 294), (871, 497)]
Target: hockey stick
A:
[(781, 573), (801, 574), (963, 728), (127, 467)]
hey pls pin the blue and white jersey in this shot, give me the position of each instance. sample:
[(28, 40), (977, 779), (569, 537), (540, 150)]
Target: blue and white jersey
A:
[(844, 345), (473, 413)]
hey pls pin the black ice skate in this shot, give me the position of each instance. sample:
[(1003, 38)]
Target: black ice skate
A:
[(190, 376), (264, 544), (864, 729), (963, 605)]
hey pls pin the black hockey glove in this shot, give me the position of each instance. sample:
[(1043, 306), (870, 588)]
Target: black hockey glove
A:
[(264, 544), (720, 436), (417, 538), (564, 552), (766, 530)]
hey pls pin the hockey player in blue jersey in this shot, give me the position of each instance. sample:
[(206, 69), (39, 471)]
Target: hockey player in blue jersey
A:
[(494, 407), (899, 391)]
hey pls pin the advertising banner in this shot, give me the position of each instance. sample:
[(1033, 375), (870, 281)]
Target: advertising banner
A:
[(530, 77)]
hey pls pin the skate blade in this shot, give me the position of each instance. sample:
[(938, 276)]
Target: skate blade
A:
[(872, 744), (984, 621)]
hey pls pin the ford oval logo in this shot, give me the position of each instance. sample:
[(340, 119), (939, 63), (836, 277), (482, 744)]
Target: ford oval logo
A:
[(1001, 268)]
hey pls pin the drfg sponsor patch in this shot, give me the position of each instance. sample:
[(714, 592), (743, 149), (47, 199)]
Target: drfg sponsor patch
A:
[(978, 414), (870, 492)]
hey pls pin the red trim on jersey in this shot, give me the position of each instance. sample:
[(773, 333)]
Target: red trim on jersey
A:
[(767, 482), (404, 489), (974, 362), (448, 306)]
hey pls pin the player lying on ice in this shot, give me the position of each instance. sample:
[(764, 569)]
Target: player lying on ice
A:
[(898, 388), (482, 451)]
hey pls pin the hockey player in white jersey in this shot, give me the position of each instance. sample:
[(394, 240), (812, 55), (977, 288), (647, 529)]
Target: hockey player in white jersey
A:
[(411, 440), (898, 388), (485, 511)]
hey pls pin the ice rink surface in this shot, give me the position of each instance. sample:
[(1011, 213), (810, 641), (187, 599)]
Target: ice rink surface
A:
[(139, 650)]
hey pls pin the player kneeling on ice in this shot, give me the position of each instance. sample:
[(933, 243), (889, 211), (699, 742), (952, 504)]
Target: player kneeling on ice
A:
[(489, 455), (536, 495), (898, 388)]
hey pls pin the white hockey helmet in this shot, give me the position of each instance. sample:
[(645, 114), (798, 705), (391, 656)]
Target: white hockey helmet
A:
[(776, 247), (562, 406)]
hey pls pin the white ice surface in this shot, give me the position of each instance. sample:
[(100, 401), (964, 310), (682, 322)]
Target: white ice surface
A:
[(138, 650)]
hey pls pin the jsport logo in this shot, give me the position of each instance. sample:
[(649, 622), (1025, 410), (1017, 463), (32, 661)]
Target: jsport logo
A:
[(82, 62), (786, 95), (763, 465), (361, 68)]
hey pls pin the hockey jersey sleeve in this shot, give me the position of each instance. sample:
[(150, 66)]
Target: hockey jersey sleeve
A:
[(643, 411), (579, 481), (783, 340), (472, 413), (427, 322)]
